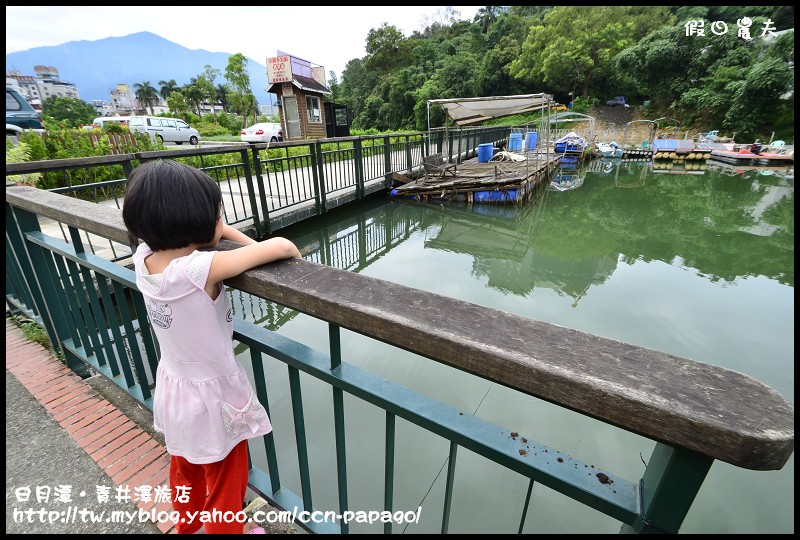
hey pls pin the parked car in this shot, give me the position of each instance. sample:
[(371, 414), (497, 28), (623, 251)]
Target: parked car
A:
[(164, 129), (20, 115), (263, 132)]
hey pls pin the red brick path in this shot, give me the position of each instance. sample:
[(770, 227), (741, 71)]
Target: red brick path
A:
[(128, 454)]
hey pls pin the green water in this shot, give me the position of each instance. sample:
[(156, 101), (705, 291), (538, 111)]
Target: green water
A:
[(698, 264)]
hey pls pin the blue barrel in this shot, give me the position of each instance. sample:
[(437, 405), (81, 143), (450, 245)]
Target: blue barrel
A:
[(485, 152), (530, 140), (515, 142)]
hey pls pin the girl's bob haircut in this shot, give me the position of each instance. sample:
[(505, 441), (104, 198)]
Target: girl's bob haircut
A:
[(170, 205)]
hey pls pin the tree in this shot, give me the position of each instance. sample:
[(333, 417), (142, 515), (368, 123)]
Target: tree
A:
[(221, 95), (194, 96), (573, 46), (386, 48), (207, 84), (486, 16), (722, 81), (146, 94), (167, 87), (240, 96), (70, 112), (177, 103)]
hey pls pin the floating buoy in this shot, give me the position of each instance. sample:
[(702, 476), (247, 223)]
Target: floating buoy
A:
[(691, 155), (673, 155)]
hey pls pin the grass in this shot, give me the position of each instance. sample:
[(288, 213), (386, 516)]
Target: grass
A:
[(33, 331)]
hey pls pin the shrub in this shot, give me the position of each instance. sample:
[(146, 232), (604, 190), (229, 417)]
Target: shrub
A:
[(20, 153), (209, 130)]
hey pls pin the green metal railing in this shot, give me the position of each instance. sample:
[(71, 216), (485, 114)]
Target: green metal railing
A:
[(95, 316), (268, 186)]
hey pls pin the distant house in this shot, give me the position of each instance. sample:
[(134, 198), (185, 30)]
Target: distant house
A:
[(301, 89)]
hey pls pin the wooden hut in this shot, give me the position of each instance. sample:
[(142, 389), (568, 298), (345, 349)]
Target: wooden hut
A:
[(301, 89)]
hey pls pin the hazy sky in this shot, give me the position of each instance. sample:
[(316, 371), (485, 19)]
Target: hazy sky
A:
[(326, 36)]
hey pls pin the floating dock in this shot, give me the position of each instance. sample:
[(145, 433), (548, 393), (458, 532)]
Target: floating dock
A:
[(764, 158), (492, 181)]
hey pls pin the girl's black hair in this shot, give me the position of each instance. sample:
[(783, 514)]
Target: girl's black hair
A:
[(170, 205)]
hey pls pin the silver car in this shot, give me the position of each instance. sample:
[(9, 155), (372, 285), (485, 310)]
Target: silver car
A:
[(164, 129)]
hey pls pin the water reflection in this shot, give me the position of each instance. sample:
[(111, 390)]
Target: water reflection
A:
[(698, 265), (568, 242)]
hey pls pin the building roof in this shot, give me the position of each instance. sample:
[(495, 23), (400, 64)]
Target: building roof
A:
[(305, 83)]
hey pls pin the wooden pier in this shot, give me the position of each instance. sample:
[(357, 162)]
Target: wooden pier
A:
[(491, 182)]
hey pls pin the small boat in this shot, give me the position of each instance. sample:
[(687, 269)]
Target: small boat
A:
[(571, 142), (611, 150)]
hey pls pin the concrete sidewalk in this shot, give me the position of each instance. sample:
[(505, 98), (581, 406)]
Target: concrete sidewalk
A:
[(69, 440)]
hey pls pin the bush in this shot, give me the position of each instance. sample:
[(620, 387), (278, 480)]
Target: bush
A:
[(113, 127), (358, 132), (20, 153), (75, 143), (581, 105), (209, 130)]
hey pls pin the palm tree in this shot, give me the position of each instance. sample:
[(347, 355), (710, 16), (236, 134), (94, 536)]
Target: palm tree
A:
[(167, 87), (146, 94), (222, 96), (195, 96)]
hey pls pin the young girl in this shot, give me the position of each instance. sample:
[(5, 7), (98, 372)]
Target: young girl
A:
[(203, 401)]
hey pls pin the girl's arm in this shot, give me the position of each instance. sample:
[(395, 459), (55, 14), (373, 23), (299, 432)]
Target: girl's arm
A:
[(235, 235), (227, 264)]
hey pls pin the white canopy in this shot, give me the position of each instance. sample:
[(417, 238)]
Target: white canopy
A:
[(465, 111)]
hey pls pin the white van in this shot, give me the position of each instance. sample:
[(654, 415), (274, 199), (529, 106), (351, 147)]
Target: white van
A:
[(102, 121), (165, 129)]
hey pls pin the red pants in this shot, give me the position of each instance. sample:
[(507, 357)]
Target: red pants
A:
[(219, 486)]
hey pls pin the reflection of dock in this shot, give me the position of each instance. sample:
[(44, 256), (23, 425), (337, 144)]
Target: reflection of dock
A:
[(491, 181)]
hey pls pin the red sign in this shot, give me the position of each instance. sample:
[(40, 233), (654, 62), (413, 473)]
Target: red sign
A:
[(279, 69)]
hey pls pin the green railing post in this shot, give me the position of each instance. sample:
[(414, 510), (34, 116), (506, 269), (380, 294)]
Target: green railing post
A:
[(388, 473), (460, 141), (251, 192), (667, 489), (334, 336), (358, 158), (448, 490), (387, 162), (317, 166), (39, 284)]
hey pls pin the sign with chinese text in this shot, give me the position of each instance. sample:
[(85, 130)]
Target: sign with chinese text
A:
[(279, 69)]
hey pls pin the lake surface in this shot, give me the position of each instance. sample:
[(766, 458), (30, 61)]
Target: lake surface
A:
[(694, 263)]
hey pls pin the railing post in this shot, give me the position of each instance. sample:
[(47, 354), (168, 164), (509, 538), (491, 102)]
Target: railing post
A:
[(387, 162), (37, 272), (358, 157), (251, 192), (460, 145), (319, 177), (667, 489)]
